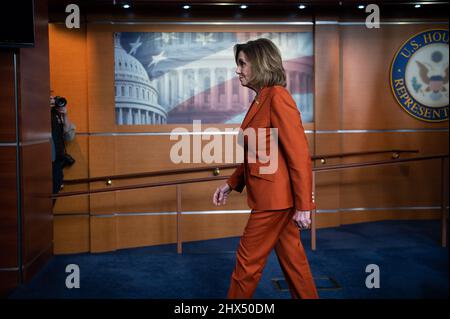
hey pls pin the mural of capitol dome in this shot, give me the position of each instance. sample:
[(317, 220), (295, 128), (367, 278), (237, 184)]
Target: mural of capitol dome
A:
[(136, 98)]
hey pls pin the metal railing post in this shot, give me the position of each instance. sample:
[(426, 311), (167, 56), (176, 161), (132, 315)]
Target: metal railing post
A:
[(443, 206), (313, 214), (179, 239)]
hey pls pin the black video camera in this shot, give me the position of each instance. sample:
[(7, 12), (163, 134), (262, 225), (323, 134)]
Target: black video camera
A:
[(59, 101)]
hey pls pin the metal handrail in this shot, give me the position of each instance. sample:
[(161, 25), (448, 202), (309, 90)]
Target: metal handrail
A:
[(395, 154), (214, 178)]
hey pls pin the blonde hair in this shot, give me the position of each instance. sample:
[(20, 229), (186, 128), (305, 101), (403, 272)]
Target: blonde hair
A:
[(265, 60)]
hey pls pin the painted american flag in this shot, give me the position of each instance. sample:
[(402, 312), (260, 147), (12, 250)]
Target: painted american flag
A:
[(191, 75)]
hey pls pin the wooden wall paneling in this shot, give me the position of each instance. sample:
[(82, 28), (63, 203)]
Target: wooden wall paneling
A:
[(144, 153), (79, 150), (145, 230), (35, 132), (102, 156), (34, 81), (352, 217), (68, 71), (71, 234), (7, 100), (204, 227), (8, 211), (135, 154), (327, 77), (426, 142), (103, 233), (198, 197), (411, 184), (327, 109), (160, 199), (9, 263), (102, 162), (103, 203), (72, 204), (327, 183), (36, 203), (392, 186), (100, 77), (140, 154)]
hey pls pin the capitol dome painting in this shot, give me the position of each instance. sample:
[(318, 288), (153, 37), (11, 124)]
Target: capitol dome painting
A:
[(136, 98)]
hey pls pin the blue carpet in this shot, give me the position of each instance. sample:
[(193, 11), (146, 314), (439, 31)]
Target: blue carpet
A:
[(412, 265)]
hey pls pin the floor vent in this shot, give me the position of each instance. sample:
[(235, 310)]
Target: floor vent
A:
[(322, 283)]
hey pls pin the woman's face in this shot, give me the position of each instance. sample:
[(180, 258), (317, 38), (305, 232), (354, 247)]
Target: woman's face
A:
[(243, 69)]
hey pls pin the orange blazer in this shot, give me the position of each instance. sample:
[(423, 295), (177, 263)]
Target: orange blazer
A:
[(291, 184)]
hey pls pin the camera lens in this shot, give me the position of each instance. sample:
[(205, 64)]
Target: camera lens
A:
[(60, 101)]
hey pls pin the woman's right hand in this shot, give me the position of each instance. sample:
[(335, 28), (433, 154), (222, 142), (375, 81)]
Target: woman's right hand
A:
[(221, 194)]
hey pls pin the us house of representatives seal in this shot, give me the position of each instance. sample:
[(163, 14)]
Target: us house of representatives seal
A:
[(419, 75)]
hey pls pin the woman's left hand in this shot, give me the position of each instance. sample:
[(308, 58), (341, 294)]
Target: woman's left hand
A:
[(302, 219)]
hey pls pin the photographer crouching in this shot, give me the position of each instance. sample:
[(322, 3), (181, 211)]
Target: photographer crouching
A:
[(62, 131)]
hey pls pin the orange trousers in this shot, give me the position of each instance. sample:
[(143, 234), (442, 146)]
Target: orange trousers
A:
[(264, 231)]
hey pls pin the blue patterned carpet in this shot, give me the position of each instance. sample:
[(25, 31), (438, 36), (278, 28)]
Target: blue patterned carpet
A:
[(411, 261)]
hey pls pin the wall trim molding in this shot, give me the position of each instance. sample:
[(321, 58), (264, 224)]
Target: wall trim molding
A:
[(368, 209), (9, 269), (35, 142), (426, 130), (317, 22), (363, 23), (419, 130), (248, 211)]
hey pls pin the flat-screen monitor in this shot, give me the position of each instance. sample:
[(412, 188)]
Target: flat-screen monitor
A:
[(17, 23)]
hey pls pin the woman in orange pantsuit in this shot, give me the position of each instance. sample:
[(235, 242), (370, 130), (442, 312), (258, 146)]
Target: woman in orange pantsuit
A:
[(281, 201)]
